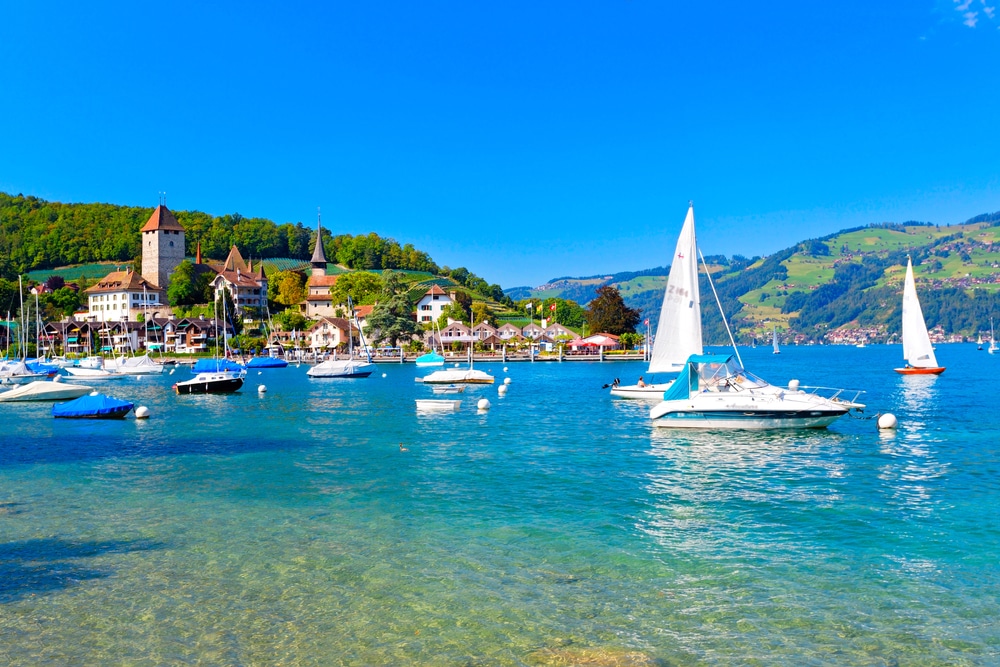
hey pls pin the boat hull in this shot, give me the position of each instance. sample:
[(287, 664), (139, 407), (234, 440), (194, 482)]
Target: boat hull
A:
[(457, 377), (650, 392), (748, 420), (912, 370), (341, 369), (210, 383), (45, 390), (117, 413)]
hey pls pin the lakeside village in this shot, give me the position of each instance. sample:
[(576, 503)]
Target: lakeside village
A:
[(127, 313)]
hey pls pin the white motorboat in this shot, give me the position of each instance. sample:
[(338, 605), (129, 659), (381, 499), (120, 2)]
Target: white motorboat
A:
[(715, 392), (917, 348), (45, 390), (678, 333)]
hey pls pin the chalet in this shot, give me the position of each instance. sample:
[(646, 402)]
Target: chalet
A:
[(554, 331), (533, 331), (331, 333), (432, 304), (508, 332), (483, 330), (247, 287)]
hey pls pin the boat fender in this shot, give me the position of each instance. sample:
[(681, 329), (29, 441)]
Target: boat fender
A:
[(142, 412), (793, 385), (57, 378), (483, 404), (887, 421)]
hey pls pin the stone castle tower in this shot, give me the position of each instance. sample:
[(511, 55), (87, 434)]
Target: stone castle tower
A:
[(162, 247)]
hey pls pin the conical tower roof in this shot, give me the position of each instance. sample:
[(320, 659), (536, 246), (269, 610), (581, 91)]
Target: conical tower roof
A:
[(319, 256)]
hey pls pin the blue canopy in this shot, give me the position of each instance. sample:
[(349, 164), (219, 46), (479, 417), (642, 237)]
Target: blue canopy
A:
[(266, 362), (699, 366), (92, 405), (215, 366)]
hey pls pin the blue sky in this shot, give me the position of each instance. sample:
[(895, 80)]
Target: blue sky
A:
[(525, 141)]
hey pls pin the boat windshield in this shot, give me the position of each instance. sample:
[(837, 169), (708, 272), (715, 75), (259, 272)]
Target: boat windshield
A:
[(716, 376)]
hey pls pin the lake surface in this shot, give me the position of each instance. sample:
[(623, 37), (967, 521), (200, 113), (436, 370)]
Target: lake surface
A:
[(559, 527)]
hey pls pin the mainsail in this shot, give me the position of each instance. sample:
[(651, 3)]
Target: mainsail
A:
[(678, 333), (917, 349)]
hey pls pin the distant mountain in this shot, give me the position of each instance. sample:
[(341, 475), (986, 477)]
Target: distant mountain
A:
[(845, 285)]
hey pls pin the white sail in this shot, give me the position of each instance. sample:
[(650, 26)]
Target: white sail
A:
[(774, 340), (917, 349), (678, 333)]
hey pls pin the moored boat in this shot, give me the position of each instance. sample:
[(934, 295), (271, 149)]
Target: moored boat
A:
[(45, 390), (220, 382), (715, 392), (93, 406)]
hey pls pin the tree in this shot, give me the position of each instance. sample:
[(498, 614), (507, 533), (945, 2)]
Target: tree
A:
[(183, 285), (392, 318), (609, 314), (363, 287), (287, 288), (630, 341), (480, 313), (291, 320)]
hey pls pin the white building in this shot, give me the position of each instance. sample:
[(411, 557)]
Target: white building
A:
[(120, 296), (432, 304)]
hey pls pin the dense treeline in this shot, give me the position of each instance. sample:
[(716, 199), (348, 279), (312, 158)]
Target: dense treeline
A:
[(37, 234)]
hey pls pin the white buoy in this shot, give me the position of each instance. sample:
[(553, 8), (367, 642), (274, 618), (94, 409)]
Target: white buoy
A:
[(262, 389), (483, 404), (383, 374), (502, 389), (506, 380), (793, 385), (259, 372), (887, 421), (171, 372), (504, 369), (142, 412)]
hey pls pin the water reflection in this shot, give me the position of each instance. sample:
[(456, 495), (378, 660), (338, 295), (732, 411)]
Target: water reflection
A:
[(709, 492)]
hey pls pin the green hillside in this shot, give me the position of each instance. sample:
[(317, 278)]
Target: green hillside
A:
[(849, 282)]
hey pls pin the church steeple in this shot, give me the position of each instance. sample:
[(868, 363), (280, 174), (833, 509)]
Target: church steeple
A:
[(318, 260)]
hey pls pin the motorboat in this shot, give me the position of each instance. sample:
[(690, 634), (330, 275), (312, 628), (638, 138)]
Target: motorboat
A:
[(93, 406), (212, 382), (917, 348), (715, 392), (90, 374), (45, 390), (678, 332), (457, 376)]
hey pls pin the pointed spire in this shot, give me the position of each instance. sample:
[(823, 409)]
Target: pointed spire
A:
[(318, 260)]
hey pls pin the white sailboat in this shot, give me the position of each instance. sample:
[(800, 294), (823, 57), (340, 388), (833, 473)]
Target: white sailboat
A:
[(917, 349), (350, 367), (993, 342), (678, 333), (774, 340)]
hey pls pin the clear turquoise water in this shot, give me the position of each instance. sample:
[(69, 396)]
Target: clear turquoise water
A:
[(557, 528)]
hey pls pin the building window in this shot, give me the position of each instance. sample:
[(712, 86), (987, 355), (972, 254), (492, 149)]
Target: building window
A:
[(171, 244)]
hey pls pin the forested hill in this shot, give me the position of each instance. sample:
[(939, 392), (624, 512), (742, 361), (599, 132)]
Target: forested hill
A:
[(38, 234), (842, 287)]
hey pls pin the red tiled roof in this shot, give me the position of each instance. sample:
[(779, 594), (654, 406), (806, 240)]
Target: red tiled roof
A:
[(435, 289), (162, 218), (322, 281), (117, 281)]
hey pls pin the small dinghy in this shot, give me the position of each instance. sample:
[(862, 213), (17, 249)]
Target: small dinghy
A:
[(92, 406), (448, 389), (437, 404)]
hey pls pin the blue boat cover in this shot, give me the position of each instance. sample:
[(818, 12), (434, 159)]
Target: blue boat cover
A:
[(266, 362), (90, 405), (215, 366)]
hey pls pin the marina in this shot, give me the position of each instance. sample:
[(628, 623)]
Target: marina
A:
[(331, 523)]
